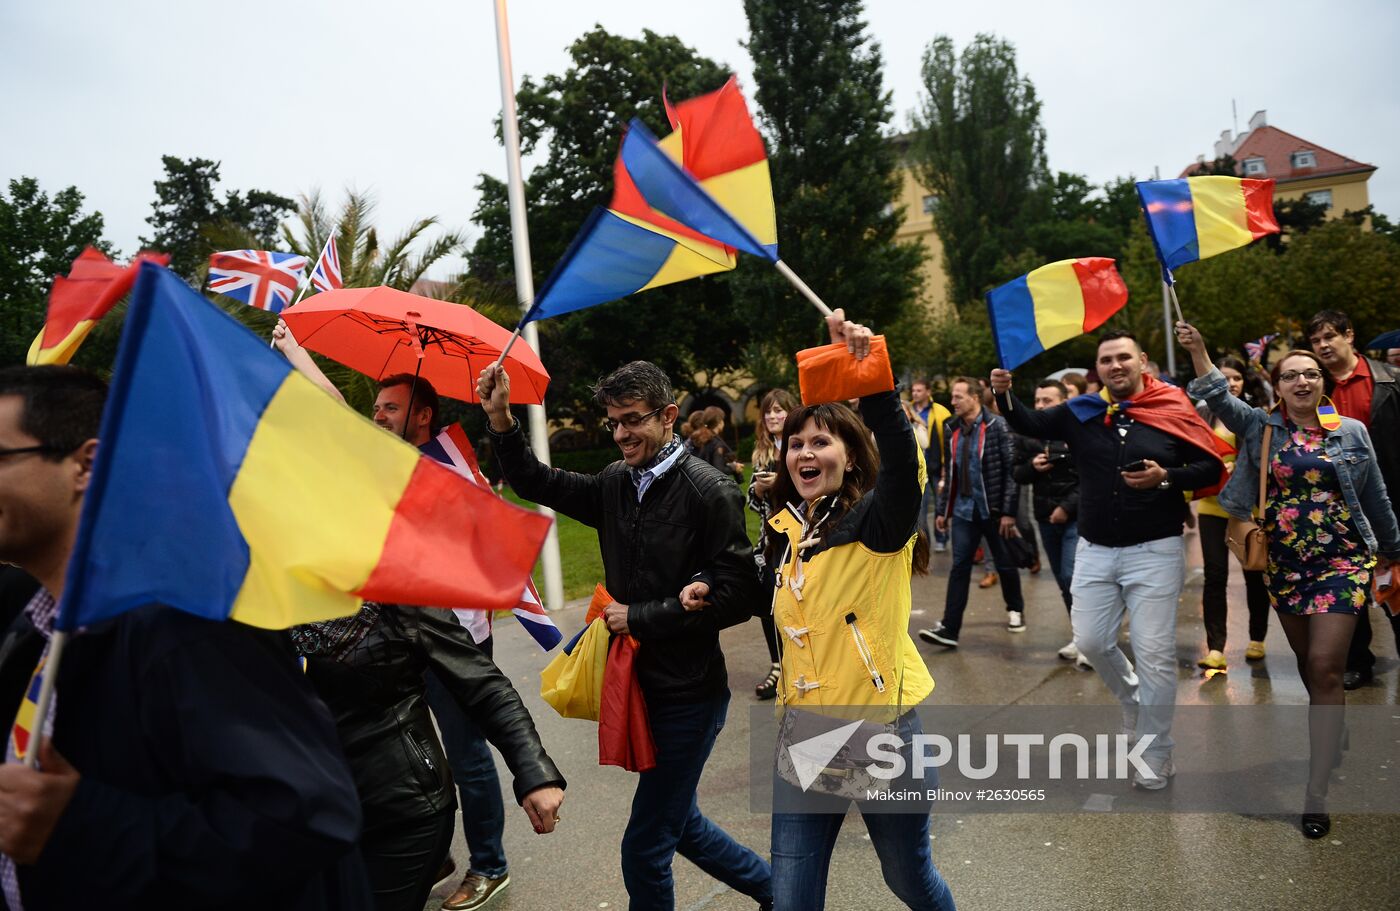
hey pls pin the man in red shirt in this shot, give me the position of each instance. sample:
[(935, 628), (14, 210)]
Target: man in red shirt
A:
[(1369, 391)]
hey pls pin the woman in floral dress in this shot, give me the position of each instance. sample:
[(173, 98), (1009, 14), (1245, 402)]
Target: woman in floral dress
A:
[(1329, 524)]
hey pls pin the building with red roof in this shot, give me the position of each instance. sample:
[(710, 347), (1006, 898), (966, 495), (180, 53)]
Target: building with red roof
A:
[(1300, 168)]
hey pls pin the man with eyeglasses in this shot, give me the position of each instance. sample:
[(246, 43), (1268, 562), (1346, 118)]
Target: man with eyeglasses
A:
[(671, 531), (1369, 391)]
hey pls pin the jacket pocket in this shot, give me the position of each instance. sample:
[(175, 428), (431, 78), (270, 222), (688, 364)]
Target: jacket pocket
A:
[(872, 663), (426, 759)]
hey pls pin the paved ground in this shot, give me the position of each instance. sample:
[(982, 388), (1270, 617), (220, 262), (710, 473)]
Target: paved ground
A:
[(1006, 862)]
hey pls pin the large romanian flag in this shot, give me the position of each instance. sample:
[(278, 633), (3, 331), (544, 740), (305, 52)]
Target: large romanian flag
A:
[(1193, 218), (631, 245), (1053, 304), (230, 486)]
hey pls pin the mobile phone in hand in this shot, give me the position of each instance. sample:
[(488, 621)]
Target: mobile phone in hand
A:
[(1139, 465)]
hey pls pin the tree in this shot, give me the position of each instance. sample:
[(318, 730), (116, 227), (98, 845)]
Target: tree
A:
[(825, 110), (39, 238), (187, 208), (979, 146), (689, 328)]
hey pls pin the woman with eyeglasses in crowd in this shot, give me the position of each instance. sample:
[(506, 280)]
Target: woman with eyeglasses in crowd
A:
[(1329, 525)]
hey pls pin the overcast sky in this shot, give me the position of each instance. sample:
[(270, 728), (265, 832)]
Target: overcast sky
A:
[(398, 98)]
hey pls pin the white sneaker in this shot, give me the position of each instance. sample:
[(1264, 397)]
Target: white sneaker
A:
[(1158, 781), (1132, 678), (1070, 652), (1083, 663), (939, 547), (1015, 621)]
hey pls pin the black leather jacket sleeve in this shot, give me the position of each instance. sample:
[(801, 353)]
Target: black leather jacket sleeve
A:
[(726, 564), (486, 695), (889, 521), (578, 496), (1048, 424)]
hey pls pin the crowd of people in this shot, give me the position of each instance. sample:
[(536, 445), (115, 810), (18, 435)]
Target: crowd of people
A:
[(195, 762)]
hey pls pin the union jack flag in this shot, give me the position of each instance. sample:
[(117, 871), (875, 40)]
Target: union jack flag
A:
[(452, 448), (326, 275), (1256, 348), (259, 278)]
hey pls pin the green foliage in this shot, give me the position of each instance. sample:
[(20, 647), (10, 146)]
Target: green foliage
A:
[(578, 116), (825, 110), (40, 236), (980, 147), (187, 209)]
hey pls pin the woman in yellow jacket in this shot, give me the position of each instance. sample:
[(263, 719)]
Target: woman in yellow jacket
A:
[(842, 548)]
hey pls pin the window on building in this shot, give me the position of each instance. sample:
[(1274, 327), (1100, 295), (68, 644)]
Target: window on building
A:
[(1319, 197), (1253, 166), (1304, 160), (930, 203)]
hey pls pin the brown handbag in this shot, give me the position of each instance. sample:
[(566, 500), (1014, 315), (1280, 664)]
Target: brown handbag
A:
[(1244, 537)]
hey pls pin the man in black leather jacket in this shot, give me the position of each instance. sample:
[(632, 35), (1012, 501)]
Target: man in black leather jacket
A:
[(665, 519)]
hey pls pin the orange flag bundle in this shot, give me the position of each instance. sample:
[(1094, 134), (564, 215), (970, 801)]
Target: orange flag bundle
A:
[(830, 374)]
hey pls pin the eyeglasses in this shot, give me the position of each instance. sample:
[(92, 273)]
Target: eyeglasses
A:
[(632, 421), (26, 450), (1289, 376)]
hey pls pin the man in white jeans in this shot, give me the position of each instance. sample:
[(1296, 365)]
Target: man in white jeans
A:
[(1138, 445)]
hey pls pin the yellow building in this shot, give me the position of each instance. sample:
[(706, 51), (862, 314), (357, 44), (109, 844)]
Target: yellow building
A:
[(1299, 168), (918, 203)]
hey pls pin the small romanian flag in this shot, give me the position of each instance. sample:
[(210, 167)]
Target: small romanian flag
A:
[(93, 286), (1193, 218), (1053, 304), (27, 718), (1327, 415)]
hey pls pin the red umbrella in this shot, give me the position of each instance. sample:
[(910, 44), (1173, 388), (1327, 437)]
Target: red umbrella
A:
[(382, 331)]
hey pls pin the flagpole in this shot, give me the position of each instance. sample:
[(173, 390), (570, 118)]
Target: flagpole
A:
[(41, 711), (800, 285), (1168, 296), (525, 292)]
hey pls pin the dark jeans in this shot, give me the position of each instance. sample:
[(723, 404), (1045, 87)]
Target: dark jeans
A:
[(802, 844), (666, 817), (966, 535), (403, 860), (1359, 657), (1215, 560), (474, 771), (1060, 542)]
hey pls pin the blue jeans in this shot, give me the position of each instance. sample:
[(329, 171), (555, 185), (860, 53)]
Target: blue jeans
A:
[(474, 770), (1060, 542), (1145, 580), (966, 535), (802, 844), (666, 817)]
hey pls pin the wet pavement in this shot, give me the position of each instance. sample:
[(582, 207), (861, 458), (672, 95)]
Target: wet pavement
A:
[(1004, 861)]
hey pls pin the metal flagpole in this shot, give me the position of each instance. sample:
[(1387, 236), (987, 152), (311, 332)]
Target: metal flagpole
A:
[(525, 291)]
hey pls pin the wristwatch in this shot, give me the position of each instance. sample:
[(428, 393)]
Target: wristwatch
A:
[(1166, 483)]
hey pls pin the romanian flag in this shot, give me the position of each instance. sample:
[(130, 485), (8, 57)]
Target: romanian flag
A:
[(93, 286), (230, 486), (1192, 218), (631, 246), (1053, 304)]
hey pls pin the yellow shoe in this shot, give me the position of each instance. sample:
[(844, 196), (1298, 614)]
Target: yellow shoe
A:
[(1213, 661), (1255, 652)]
